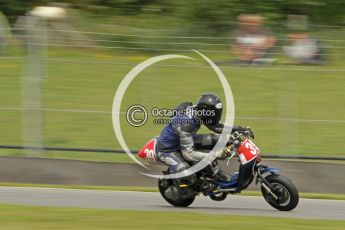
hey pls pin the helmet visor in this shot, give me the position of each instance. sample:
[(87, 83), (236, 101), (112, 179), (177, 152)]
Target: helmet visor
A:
[(213, 116)]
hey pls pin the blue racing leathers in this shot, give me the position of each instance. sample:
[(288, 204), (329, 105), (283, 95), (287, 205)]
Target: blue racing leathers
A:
[(178, 143)]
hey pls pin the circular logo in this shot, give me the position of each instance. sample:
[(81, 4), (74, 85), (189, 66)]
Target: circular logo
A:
[(136, 115), (229, 118)]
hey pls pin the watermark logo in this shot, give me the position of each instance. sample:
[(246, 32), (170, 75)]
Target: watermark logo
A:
[(133, 114), (136, 115)]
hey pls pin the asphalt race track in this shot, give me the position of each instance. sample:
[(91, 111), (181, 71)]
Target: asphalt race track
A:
[(150, 201), (311, 177)]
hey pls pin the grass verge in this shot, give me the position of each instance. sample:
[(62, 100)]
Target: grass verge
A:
[(33, 217), (278, 102)]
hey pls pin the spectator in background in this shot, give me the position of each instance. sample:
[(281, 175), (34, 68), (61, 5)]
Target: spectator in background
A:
[(303, 49), (252, 42)]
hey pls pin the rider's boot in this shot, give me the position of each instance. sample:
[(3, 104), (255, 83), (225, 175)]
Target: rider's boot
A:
[(223, 176)]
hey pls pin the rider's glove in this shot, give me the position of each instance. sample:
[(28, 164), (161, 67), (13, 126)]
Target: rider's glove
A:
[(222, 155), (248, 131)]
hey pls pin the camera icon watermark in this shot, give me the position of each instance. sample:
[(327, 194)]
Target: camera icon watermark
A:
[(136, 115)]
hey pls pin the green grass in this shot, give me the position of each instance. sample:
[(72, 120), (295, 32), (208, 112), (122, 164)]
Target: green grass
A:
[(87, 187), (83, 156), (154, 189), (15, 217), (265, 98)]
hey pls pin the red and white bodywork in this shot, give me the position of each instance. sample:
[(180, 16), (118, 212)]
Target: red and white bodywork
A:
[(148, 151), (247, 151)]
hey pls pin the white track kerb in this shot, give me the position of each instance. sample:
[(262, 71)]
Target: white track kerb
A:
[(229, 113)]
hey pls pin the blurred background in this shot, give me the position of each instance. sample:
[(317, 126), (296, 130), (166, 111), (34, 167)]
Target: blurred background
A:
[(61, 63)]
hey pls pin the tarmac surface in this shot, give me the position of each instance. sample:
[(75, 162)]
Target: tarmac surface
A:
[(307, 176), (150, 201)]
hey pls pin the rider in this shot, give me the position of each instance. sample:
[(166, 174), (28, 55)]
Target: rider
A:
[(178, 142)]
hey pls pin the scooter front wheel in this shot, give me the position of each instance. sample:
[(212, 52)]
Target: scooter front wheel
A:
[(284, 190)]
